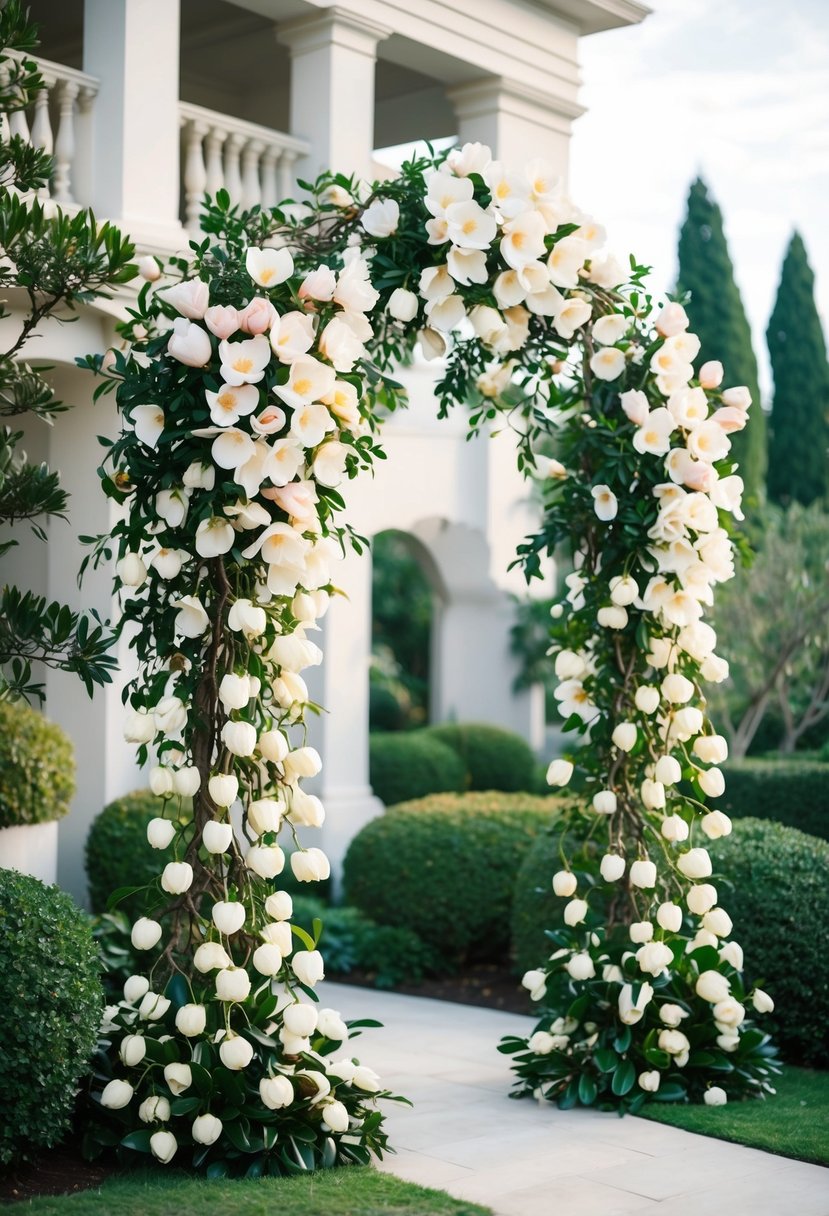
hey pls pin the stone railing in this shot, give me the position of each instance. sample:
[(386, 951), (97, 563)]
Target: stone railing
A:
[(60, 124), (254, 164)]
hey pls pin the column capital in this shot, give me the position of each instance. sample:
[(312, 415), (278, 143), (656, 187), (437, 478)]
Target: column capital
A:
[(334, 26), (491, 93)]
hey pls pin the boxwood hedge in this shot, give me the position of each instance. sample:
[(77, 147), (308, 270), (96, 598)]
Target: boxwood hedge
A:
[(791, 790), (493, 758), (118, 853), (410, 764), (37, 767)]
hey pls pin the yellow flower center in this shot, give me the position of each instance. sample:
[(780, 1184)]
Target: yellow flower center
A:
[(242, 365), (302, 386)]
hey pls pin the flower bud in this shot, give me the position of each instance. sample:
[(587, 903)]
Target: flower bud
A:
[(643, 874), (564, 883), (228, 917), (559, 772), (160, 833), (612, 867), (265, 860), (701, 897), (132, 1050), (145, 933), (191, 1020), (223, 789), (276, 1092), (624, 736), (177, 877), (116, 1095), (604, 802), (669, 917), (279, 906), (206, 1129), (163, 1146), (235, 1052), (217, 837), (232, 984)]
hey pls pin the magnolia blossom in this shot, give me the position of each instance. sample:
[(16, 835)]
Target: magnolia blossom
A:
[(189, 344), (605, 503), (269, 267)]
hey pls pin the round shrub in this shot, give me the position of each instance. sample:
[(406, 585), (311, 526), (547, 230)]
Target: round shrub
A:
[(494, 759), (774, 883), (118, 853), (51, 999), (385, 711), (411, 765), (791, 790), (37, 767), (444, 867)]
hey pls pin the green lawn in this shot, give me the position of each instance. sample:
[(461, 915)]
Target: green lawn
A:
[(343, 1192), (794, 1123)]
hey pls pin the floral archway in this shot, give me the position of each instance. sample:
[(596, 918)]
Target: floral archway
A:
[(252, 387)]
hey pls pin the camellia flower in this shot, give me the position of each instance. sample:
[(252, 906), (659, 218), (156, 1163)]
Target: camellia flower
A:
[(148, 423), (230, 404), (214, 536)]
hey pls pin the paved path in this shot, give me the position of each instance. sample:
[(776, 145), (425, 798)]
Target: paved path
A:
[(466, 1136)]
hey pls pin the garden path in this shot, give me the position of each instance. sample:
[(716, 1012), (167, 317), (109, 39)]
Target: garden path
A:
[(467, 1137)]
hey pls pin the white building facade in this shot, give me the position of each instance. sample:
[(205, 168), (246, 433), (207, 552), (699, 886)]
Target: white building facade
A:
[(150, 103)]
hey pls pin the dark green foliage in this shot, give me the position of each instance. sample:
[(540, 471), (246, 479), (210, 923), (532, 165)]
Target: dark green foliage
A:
[(494, 759), (37, 767), (118, 853), (402, 615), (385, 711), (718, 319), (352, 941), (411, 765), (792, 791), (798, 459), (51, 1000), (53, 261), (444, 867), (778, 897)]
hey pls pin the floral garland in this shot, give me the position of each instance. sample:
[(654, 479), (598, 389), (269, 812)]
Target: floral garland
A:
[(250, 390)]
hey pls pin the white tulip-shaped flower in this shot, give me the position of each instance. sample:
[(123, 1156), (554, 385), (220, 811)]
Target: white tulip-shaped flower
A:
[(222, 320), (231, 403), (145, 933), (605, 503), (381, 217), (214, 536), (310, 865), (189, 344), (608, 363), (217, 837), (566, 260), (292, 335), (308, 967), (269, 267), (211, 956), (172, 505), (267, 861), (244, 362), (191, 618), (233, 984), (443, 189), (177, 877), (247, 618), (190, 297), (206, 1129), (148, 423)]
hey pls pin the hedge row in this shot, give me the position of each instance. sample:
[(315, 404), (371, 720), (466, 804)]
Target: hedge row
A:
[(790, 791)]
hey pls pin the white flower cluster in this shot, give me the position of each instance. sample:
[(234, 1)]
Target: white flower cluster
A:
[(279, 445)]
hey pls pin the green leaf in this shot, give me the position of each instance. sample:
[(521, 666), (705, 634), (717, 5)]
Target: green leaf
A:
[(605, 1059), (587, 1089), (139, 1141), (623, 1040), (624, 1078)]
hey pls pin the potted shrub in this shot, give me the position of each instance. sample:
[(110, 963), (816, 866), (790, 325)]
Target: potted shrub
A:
[(37, 782)]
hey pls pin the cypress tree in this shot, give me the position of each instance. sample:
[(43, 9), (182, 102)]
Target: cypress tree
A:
[(798, 469), (719, 320)]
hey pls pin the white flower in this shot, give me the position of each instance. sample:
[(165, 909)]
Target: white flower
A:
[(669, 917), (267, 959), (654, 434), (292, 335), (566, 259), (536, 984), (701, 897), (148, 423), (228, 917), (116, 1095), (608, 363), (649, 1081), (739, 397), (672, 320), (575, 912), (523, 240), (308, 966), (132, 1050), (145, 933), (135, 988), (643, 874), (629, 1012), (214, 536), (235, 1052), (191, 1020), (570, 316), (276, 1092), (641, 931), (223, 788), (718, 922), (155, 1109), (239, 738), (310, 865), (163, 1146), (711, 782), (190, 297), (696, 863), (153, 1006), (674, 828), (715, 1096), (189, 344), (191, 619), (608, 330), (168, 562), (149, 268), (232, 984), (653, 794), (381, 217), (247, 618), (177, 877), (711, 986), (580, 967), (210, 956), (206, 1129), (160, 833), (269, 267), (318, 284), (217, 837), (179, 1077), (335, 1116), (624, 736), (471, 158), (279, 906), (761, 1001), (403, 305), (668, 771), (623, 590), (265, 860), (673, 1041), (468, 226), (612, 867), (330, 463), (604, 802), (677, 689), (265, 814), (646, 698), (244, 362), (605, 503), (559, 772), (229, 405)]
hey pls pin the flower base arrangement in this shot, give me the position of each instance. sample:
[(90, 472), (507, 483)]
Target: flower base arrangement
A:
[(250, 388)]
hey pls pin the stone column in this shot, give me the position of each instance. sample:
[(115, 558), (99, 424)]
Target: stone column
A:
[(333, 56), (132, 47)]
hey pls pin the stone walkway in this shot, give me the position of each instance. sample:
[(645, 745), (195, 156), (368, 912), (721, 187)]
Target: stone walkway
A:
[(467, 1137)]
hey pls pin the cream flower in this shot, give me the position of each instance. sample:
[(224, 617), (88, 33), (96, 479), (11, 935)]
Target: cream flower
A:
[(230, 404), (244, 362), (309, 380), (148, 423), (292, 335), (469, 226), (523, 240), (269, 267)]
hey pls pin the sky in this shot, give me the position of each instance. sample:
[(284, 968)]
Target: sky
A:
[(737, 90)]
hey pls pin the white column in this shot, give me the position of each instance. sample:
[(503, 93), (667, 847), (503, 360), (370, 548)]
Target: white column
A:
[(341, 687), (132, 47), (519, 123), (333, 57)]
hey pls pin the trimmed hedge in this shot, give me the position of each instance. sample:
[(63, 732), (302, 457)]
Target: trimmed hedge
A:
[(51, 999), (37, 767), (493, 758), (777, 894), (444, 867), (410, 765), (118, 853), (791, 790)]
